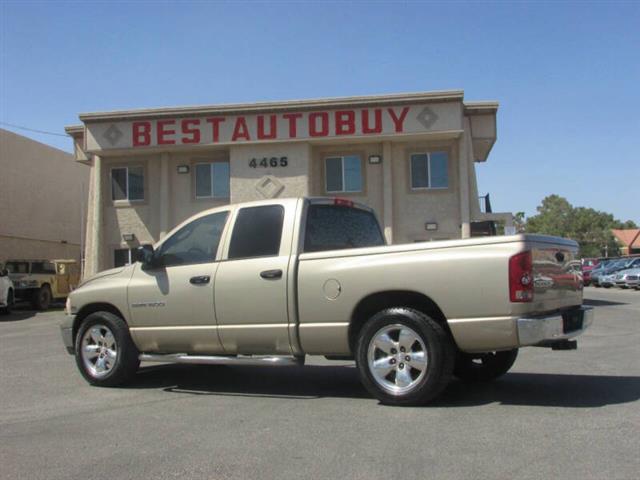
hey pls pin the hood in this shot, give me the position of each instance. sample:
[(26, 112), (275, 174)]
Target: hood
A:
[(103, 274)]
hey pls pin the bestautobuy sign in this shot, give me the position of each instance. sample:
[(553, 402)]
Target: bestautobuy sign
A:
[(235, 129)]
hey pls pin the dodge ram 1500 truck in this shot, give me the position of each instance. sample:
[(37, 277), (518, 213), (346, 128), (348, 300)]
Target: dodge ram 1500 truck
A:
[(269, 282)]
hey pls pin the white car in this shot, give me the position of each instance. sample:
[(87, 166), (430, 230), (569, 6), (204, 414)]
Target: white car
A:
[(6, 292)]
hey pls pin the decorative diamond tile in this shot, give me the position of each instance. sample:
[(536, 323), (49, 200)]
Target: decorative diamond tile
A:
[(269, 187), (112, 134)]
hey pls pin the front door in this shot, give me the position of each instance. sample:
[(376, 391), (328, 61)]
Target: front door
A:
[(251, 283), (172, 305)]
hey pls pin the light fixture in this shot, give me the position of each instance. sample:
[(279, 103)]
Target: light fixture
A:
[(183, 168), (431, 226), (128, 237), (375, 159)]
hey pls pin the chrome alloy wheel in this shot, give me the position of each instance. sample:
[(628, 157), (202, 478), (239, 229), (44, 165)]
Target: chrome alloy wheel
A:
[(99, 350), (397, 358)]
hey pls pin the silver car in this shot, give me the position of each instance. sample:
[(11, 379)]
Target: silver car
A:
[(627, 278)]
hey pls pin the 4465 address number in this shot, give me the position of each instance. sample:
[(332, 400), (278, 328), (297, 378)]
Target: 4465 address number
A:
[(269, 162)]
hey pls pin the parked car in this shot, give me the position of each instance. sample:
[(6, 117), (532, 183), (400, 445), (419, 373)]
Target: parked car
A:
[(598, 275), (42, 281), (588, 265), (627, 278), (269, 282), (6, 292)]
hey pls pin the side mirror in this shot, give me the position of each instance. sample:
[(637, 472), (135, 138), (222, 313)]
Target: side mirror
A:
[(4, 272), (146, 255)]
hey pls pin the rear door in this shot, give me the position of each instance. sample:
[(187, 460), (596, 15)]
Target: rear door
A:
[(251, 281)]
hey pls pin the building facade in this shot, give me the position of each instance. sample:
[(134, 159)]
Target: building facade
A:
[(42, 195), (411, 157)]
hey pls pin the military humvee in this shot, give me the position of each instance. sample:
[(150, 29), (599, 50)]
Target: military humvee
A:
[(42, 281)]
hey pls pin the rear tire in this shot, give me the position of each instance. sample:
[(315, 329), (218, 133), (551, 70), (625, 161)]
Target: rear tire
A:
[(41, 298), (105, 354), (484, 367), (404, 357)]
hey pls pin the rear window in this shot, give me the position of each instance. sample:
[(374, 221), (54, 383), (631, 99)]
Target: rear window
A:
[(336, 227), (257, 232)]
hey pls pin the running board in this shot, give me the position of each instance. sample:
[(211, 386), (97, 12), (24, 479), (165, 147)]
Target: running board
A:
[(222, 360)]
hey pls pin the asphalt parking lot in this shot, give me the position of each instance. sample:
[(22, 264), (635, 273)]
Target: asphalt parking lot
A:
[(563, 415)]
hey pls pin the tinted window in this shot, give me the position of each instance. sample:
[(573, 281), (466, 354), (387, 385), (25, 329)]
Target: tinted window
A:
[(119, 183), (334, 227), (257, 232), (334, 174), (43, 267), (196, 242), (136, 183), (120, 257), (17, 267), (419, 170), (439, 170), (212, 180)]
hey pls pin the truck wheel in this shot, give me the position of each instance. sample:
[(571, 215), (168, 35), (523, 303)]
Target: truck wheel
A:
[(7, 310), (404, 357), (41, 298), (105, 353), (484, 367)]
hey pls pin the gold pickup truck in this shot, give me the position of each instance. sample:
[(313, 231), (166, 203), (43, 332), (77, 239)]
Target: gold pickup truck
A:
[(269, 282)]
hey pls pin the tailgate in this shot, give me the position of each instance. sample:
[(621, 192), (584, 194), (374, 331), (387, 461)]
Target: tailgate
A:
[(557, 274)]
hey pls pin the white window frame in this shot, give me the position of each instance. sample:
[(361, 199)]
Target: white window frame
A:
[(341, 157), (428, 154), (213, 193), (126, 169)]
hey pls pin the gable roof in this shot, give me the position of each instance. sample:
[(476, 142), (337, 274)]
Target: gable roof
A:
[(628, 237)]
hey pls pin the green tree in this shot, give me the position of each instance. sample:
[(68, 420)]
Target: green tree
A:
[(590, 228)]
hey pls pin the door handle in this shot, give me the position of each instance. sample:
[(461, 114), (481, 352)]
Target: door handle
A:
[(201, 280), (271, 274)]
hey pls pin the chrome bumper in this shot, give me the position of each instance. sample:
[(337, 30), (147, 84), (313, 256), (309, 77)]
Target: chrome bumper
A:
[(66, 330), (552, 328)]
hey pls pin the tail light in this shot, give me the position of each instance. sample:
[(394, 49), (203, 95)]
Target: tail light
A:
[(343, 202), (521, 277)]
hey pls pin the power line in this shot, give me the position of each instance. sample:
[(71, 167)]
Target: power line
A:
[(34, 130)]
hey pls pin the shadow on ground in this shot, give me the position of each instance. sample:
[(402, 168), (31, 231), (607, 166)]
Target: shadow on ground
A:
[(313, 382), (23, 311), (592, 302)]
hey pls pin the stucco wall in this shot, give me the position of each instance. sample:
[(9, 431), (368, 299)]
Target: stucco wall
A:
[(413, 208), (41, 196), (371, 194), (292, 180)]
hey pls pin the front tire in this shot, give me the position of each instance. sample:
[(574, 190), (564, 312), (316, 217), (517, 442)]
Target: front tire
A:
[(42, 298), (404, 357), (484, 367), (105, 354)]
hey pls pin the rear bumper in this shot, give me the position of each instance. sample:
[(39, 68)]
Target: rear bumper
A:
[(553, 328)]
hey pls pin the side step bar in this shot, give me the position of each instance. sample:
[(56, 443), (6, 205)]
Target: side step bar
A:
[(222, 360)]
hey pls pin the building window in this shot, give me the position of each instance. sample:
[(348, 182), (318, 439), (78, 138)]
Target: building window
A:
[(343, 174), (212, 180), (127, 183), (124, 256), (257, 232), (429, 170)]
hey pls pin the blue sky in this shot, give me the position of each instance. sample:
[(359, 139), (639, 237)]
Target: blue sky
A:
[(567, 75)]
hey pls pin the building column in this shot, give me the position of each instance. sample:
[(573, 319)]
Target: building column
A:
[(465, 152), (96, 225), (165, 212), (387, 192)]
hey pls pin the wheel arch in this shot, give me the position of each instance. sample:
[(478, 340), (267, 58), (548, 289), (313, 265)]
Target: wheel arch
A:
[(378, 301), (87, 310)]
